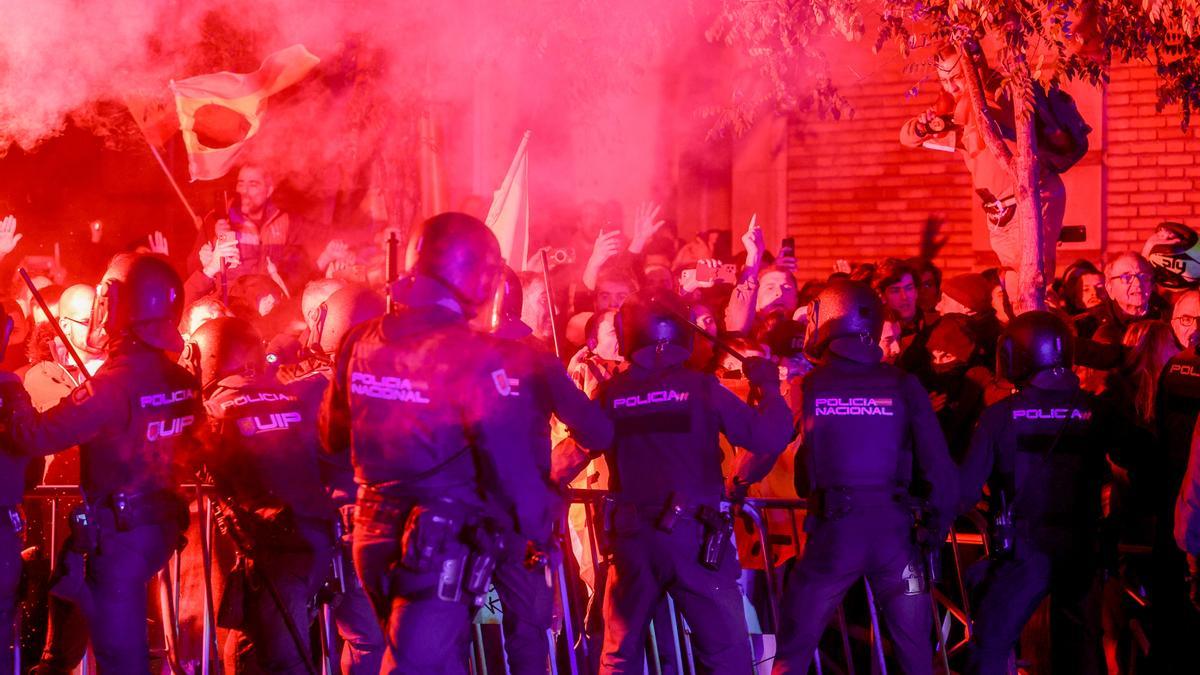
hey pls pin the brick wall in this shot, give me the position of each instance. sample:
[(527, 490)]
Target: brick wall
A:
[(1152, 167), (854, 192)]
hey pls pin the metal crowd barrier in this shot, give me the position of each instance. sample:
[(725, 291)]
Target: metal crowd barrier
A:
[(566, 638)]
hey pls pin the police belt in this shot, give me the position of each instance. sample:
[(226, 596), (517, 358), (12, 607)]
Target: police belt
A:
[(384, 507), (136, 509), (841, 500), (15, 520)]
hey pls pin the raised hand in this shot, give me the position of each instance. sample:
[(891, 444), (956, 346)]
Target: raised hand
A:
[(646, 224), (608, 244), (8, 235), (753, 241), (158, 243), (335, 250)]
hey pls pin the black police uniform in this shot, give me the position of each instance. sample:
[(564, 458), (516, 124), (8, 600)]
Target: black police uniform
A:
[(867, 430), (542, 388), (427, 409), (135, 423), (263, 454), (1173, 647), (353, 614), (667, 483), (1043, 453), (12, 474)]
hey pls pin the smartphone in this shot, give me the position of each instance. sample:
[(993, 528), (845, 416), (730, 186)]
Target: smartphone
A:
[(225, 236), (1072, 234), (788, 248), (705, 273), (726, 274)]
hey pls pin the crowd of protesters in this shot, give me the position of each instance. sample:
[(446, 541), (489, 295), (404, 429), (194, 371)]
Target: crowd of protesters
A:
[(1134, 323)]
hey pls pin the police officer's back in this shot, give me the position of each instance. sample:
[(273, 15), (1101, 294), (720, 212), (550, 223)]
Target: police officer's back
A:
[(135, 422), (425, 405), (867, 432), (1042, 451), (543, 389), (667, 532)]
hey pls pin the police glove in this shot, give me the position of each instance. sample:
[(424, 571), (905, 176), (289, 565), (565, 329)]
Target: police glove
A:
[(761, 373)]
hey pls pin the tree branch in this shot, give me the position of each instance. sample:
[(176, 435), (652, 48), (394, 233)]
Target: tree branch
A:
[(987, 128)]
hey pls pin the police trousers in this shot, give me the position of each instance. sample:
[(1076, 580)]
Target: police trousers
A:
[(359, 628), (298, 567), (117, 574), (527, 605), (876, 543), (648, 563), (10, 581), (423, 633), (1008, 591)]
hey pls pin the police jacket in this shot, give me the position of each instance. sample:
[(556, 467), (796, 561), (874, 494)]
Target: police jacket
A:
[(264, 446), (135, 423), (337, 474), (1187, 504), (1043, 450), (12, 464), (668, 420), (541, 388), (429, 410), (1176, 408), (864, 424)]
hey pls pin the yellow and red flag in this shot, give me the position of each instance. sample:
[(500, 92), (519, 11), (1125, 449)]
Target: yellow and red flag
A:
[(219, 112)]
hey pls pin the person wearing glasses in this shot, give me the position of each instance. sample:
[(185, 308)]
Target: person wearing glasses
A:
[(1184, 317), (1129, 283)]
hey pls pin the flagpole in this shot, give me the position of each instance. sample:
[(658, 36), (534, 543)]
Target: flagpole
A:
[(196, 221)]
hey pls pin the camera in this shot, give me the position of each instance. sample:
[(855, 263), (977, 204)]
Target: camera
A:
[(561, 256)]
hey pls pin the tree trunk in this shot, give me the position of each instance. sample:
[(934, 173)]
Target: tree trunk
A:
[(1031, 284)]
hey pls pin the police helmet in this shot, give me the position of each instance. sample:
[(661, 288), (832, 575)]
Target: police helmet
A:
[(140, 296), (654, 321), (843, 308), (1174, 253), (342, 311), (459, 252), (226, 346), (1033, 342)]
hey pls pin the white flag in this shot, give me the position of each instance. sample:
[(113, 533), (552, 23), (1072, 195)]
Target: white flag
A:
[(509, 215)]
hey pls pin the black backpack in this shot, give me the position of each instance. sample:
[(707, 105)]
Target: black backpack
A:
[(1062, 132)]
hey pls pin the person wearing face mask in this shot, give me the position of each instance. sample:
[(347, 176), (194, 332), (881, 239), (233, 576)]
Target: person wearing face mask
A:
[(955, 386)]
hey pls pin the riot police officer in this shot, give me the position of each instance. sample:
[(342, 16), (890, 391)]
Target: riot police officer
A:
[(1042, 451), (329, 322), (667, 533), (867, 431), (263, 457), (1176, 622), (12, 486), (426, 407), (134, 422), (543, 389)]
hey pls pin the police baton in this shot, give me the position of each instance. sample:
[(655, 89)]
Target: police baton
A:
[(41, 301), (550, 303), (716, 341), (392, 269)]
